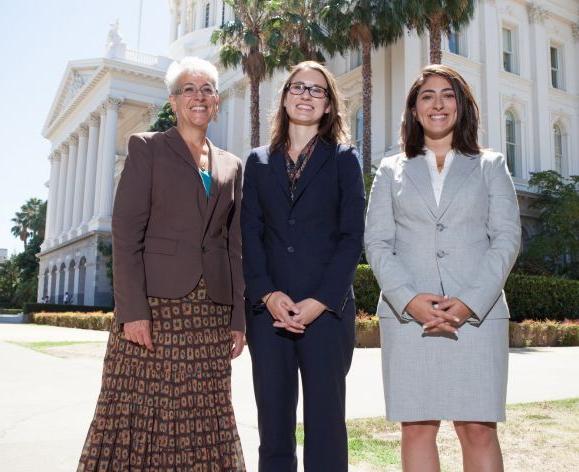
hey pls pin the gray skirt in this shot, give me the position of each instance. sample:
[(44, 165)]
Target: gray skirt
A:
[(461, 378)]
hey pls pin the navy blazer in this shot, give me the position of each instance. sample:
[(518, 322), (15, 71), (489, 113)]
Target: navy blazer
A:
[(309, 248)]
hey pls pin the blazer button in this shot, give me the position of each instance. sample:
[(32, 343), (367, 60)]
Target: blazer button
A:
[(292, 221), (203, 249), (440, 254), (440, 227), (291, 249)]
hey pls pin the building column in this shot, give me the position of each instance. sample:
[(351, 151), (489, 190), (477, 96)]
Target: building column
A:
[(105, 205), (405, 65), (98, 182), (183, 18), (174, 26), (52, 196), (491, 118), (91, 171), (79, 182), (61, 191), (70, 179), (541, 67)]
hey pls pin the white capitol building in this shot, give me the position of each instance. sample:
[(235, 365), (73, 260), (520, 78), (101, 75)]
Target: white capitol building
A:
[(521, 58)]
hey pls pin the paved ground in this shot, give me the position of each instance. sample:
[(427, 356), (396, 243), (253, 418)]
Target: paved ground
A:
[(47, 401)]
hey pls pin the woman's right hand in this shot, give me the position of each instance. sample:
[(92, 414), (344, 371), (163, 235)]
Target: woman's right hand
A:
[(280, 305), (424, 309), (139, 332)]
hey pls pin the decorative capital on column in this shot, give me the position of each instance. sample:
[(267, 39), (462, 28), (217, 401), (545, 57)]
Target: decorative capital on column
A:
[(83, 130), (93, 120), (537, 14), (63, 148), (73, 140), (151, 113), (239, 88), (575, 31), (112, 103), (54, 156)]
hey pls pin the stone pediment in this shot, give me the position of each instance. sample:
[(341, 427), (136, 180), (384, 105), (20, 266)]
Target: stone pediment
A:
[(76, 76)]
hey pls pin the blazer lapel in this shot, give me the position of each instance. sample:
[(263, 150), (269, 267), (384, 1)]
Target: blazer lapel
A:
[(462, 166), (216, 171), (322, 152), (277, 163), (178, 145), (417, 170)]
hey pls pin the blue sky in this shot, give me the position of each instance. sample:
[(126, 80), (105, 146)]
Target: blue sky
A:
[(37, 39)]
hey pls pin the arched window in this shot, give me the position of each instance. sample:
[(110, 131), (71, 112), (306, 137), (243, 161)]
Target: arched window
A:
[(62, 276), (81, 281), (512, 142), (53, 276), (359, 131), (45, 284), (207, 14), (558, 148), (70, 285)]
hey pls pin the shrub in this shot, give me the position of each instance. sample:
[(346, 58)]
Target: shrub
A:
[(10, 311), (528, 296), (62, 308), (532, 333), (98, 320)]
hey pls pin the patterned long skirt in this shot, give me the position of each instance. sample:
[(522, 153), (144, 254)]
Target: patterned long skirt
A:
[(168, 410)]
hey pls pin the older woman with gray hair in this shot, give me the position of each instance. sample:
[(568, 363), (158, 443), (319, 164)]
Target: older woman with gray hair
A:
[(165, 402)]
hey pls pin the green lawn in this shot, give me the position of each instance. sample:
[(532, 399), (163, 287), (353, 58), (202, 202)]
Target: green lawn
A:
[(536, 436)]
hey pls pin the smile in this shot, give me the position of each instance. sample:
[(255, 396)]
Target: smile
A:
[(304, 107), (438, 117), (198, 108)]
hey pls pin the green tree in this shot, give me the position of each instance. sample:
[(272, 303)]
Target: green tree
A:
[(30, 221), (165, 119), (437, 16), (9, 278), (244, 41), (555, 249), (363, 25)]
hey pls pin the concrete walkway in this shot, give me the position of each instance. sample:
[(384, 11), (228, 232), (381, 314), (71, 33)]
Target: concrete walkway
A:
[(47, 401)]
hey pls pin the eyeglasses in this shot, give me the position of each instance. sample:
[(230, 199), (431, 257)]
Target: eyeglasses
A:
[(189, 90), (315, 91)]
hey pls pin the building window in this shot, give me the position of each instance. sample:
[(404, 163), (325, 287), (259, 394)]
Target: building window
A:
[(556, 72), (560, 156), (207, 12), (457, 43), (511, 142), (510, 51), (359, 132)]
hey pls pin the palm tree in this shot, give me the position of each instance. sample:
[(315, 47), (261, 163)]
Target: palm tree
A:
[(437, 16), (29, 222), (244, 41), (363, 25)]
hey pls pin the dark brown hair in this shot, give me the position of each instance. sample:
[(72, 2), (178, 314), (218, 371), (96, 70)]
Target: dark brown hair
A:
[(465, 137), (333, 126)]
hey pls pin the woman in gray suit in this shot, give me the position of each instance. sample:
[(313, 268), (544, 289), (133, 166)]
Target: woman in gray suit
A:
[(442, 234)]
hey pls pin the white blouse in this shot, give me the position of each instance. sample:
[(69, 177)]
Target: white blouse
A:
[(437, 178)]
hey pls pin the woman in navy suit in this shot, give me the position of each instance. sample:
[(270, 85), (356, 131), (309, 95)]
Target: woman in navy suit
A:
[(302, 223)]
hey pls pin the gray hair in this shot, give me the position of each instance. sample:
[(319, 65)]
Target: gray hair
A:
[(190, 65)]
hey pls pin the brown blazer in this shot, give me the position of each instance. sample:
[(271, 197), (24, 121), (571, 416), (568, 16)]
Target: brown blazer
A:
[(167, 233)]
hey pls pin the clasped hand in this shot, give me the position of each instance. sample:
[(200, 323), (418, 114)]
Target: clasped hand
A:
[(281, 307), (438, 314)]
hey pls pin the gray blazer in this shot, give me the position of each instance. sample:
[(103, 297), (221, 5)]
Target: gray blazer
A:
[(465, 247)]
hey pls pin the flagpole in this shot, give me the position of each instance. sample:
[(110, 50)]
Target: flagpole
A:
[(140, 21)]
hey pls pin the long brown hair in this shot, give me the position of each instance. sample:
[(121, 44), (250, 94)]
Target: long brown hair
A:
[(333, 126), (467, 114)]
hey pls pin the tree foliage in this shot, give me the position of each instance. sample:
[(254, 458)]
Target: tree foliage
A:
[(165, 119), (437, 16), (30, 221), (555, 249), (363, 25)]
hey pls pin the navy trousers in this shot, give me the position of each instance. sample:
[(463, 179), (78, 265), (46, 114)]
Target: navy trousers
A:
[(322, 355)]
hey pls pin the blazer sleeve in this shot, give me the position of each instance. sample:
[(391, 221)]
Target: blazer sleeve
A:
[(339, 274), (504, 229), (394, 280), (130, 217), (238, 315), (257, 279)]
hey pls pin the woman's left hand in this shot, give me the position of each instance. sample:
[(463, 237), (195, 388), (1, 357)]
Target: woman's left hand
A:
[(310, 309), (453, 306), (237, 343)]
